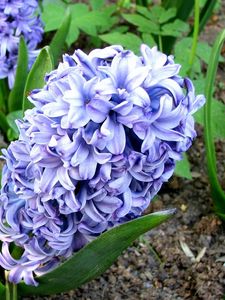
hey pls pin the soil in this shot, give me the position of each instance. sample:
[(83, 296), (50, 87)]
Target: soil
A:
[(159, 265)]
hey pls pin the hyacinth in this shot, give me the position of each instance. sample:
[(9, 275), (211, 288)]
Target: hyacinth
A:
[(17, 18), (103, 136)]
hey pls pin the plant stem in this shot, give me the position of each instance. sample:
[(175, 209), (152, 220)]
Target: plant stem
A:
[(10, 289), (7, 287), (160, 43), (14, 292), (195, 35)]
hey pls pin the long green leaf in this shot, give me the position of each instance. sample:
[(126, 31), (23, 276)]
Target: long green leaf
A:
[(3, 122), (59, 38), (216, 189), (4, 91), (95, 257), (35, 79), (2, 289), (15, 101)]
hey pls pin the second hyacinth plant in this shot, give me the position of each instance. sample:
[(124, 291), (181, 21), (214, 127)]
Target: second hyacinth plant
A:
[(102, 137), (18, 18)]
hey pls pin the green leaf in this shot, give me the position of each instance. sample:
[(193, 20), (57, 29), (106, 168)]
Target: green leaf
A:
[(97, 4), (182, 52), (15, 100), (11, 135), (167, 15), (3, 122), (35, 79), (144, 25), (89, 22), (127, 40), (218, 194), (203, 51), (148, 39), (217, 115), (121, 29), (176, 28), (183, 168), (206, 13), (144, 11), (184, 9), (95, 257), (77, 11), (156, 12), (2, 290), (59, 38), (11, 118), (4, 92), (53, 13)]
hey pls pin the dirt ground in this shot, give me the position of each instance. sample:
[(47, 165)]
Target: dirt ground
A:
[(159, 265)]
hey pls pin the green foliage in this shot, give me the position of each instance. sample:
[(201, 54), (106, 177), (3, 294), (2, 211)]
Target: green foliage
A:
[(82, 18), (4, 91), (218, 194), (35, 80), (13, 131), (183, 168), (157, 22), (128, 40), (218, 115), (95, 257), (15, 100), (59, 38), (3, 122)]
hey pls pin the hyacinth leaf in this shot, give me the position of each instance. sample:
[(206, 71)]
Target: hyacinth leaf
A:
[(218, 194), (3, 122), (4, 91), (2, 290), (15, 101), (42, 66), (183, 168), (95, 257), (11, 118), (59, 38)]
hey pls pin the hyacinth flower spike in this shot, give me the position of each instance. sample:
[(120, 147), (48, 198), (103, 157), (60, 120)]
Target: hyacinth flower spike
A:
[(103, 136)]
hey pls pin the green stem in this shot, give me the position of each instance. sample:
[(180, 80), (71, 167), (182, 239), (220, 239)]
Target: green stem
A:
[(10, 289), (160, 43), (7, 287), (195, 35), (14, 292)]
